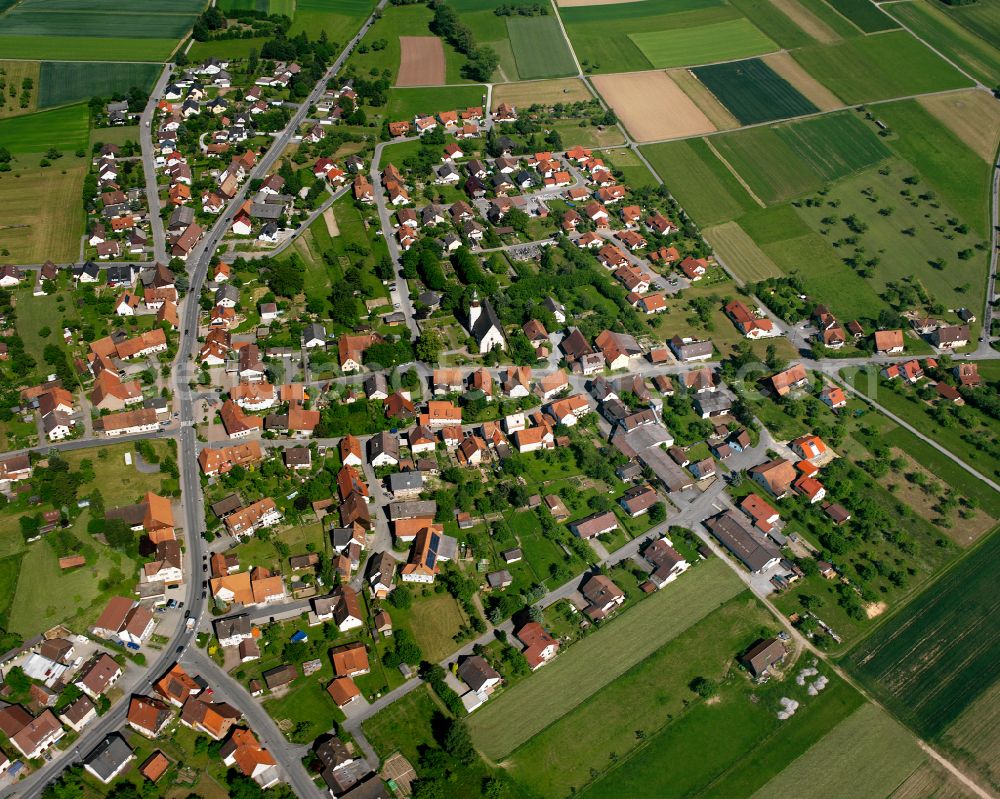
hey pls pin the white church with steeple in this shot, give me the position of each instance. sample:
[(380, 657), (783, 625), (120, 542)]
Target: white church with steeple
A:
[(484, 326)]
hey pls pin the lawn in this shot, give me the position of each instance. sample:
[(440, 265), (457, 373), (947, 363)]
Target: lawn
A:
[(434, 621), (559, 759), (405, 725), (118, 483), (634, 172), (47, 596), (892, 64), (308, 702), (407, 103), (944, 160), (865, 14), (540, 49), (62, 128), (514, 717), (65, 82), (930, 691), (753, 91), (842, 762), (44, 218), (587, 135), (702, 184), (721, 41)]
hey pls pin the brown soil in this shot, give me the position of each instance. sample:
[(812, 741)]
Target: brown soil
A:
[(421, 61), (651, 106)]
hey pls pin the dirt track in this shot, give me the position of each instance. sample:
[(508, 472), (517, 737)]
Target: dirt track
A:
[(652, 106), (421, 61)]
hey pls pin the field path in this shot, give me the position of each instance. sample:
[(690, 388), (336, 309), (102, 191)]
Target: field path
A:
[(735, 174), (982, 793)]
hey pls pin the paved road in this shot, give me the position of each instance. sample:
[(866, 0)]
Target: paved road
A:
[(400, 291), (149, 165)]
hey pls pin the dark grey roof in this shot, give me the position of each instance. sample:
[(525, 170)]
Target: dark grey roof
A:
[(487, 320), (232, 625), (405, 481), (108, 756)]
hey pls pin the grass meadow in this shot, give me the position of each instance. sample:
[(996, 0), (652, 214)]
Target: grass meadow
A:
[(559, 759), (721, 41), (753, 91), (406, 103), (954, 170), (730, 746), (340, 20), (934, 657), (43, 216), (14, 72), (65, 129), (888, 65), (540, 49), (505, 723)]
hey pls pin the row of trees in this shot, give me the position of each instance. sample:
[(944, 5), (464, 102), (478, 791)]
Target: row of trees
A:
[(482, 60)]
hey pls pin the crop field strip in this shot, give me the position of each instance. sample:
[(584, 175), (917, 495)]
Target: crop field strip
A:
[(981, 19), (784, 161), (865, 14), (973, 116), (753, 91), (504, 724), (63, 82), (721, 41), (540, 49), (842, 763), (815, 92), (935, 657), (975, 55), (652, 106), (774, 22), (740, 253), (340, 21), (879, 67)]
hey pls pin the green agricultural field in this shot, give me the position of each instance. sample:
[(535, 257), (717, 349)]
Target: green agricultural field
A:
[(224, 48), (406, 103), (702, 184), (740, 253), (902, 255), (339, 20), (514, 717), (729, 747), (722, 41), (982, 18), (841, 763), (892, 64), (935, 656), (979, 58), (782, 162), (82, 48), (835, 21), (942, 159), (600, 34), (865, 14), (540, 49), (65, 82), (86, 24), (559, 759), (776, 25), (753, 91), (65, 129)]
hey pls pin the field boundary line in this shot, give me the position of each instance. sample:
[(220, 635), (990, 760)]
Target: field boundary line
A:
[(569, 43), (952, 769), (849, 21), (735, 174)]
